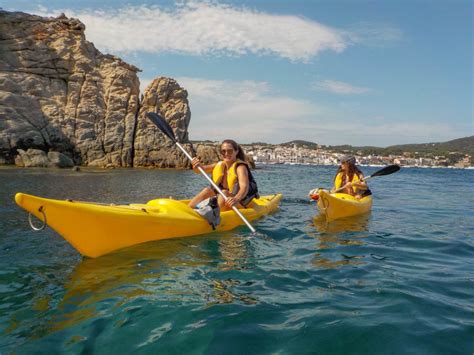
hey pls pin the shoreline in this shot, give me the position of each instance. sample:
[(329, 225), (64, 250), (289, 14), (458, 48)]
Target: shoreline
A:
[(101, 170), (371, 165)]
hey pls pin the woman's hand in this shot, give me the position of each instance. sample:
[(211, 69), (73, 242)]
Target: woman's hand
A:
[(347, 185), (361, 185), (231, 201), (196, 163)]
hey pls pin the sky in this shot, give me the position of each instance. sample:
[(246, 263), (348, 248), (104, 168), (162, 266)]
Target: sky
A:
[(358, 72)]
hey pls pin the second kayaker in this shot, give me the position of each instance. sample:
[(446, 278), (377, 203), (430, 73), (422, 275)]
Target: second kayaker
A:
[(232, 175), (349, 179)]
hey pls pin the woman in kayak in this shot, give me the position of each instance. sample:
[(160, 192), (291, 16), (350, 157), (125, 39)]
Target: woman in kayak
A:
[(232, 175), (349, 179)]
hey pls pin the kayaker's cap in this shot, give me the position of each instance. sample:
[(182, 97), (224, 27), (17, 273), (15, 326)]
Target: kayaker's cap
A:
[(347, 159)]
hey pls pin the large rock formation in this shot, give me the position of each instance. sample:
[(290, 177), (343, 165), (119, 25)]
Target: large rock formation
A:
[(58, 93), (152, 148)]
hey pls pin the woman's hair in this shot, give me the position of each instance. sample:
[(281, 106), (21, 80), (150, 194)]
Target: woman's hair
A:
[(352, 169), (237, 148)]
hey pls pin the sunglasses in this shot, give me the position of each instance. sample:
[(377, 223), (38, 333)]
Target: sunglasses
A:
[(226, 151)]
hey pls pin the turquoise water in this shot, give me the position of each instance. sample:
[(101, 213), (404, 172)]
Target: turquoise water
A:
[(400, 280)]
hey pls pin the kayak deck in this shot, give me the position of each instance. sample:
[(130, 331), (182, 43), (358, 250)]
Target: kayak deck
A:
[(96, 229)]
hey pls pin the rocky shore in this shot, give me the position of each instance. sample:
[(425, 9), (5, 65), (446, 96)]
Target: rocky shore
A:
[(64, 103)]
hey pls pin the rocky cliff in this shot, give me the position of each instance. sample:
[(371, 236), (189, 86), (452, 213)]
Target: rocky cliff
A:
[(59, 94)]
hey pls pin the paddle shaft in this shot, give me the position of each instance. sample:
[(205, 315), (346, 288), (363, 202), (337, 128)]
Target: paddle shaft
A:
[(201, 170)]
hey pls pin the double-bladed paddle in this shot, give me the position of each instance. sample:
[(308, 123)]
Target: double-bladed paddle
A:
[(390, 169), (161, 123)]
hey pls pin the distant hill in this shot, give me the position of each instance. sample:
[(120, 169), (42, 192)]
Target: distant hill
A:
[(257, 143), (300, 143), (460, 145)]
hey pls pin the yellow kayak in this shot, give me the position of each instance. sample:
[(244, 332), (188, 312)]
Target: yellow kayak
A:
[(97, 229), (339, 205)]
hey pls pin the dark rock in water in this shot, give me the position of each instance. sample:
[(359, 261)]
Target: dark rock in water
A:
[(60, 160), (59, 93)]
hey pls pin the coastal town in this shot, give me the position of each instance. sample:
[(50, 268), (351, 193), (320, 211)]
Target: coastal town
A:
[(294, 154)]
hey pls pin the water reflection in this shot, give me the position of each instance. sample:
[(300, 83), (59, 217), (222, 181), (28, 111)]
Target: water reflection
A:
[(351, 224), (223, 292), (345, 232), (177, 270), (325, 263), (143, 273), (234, 253)]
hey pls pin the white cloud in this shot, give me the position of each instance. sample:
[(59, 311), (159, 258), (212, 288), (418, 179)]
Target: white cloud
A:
[(339, 87), (250, 111), (371, 34), (243, 110), (207, 28), (223, 90)]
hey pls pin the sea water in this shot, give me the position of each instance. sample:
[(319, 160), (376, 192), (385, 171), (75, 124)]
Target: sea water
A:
[(397, 281)]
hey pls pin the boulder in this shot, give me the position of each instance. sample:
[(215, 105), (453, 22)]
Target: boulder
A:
[(32, 158), (38, 158)]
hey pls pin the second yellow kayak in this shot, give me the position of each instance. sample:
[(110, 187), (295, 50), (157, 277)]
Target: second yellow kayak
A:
[(339, 205), (97, 229)]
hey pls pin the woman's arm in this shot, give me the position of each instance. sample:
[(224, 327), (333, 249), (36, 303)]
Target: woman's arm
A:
[(243, 178), (197, 163), (361, 184)]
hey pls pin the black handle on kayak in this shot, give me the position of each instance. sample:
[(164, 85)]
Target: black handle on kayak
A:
[(161, 123)]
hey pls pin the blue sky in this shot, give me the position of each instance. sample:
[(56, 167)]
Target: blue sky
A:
[(328, 71)]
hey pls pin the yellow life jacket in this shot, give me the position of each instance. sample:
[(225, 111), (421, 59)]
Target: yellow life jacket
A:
[(232, 181), (338, 181)]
